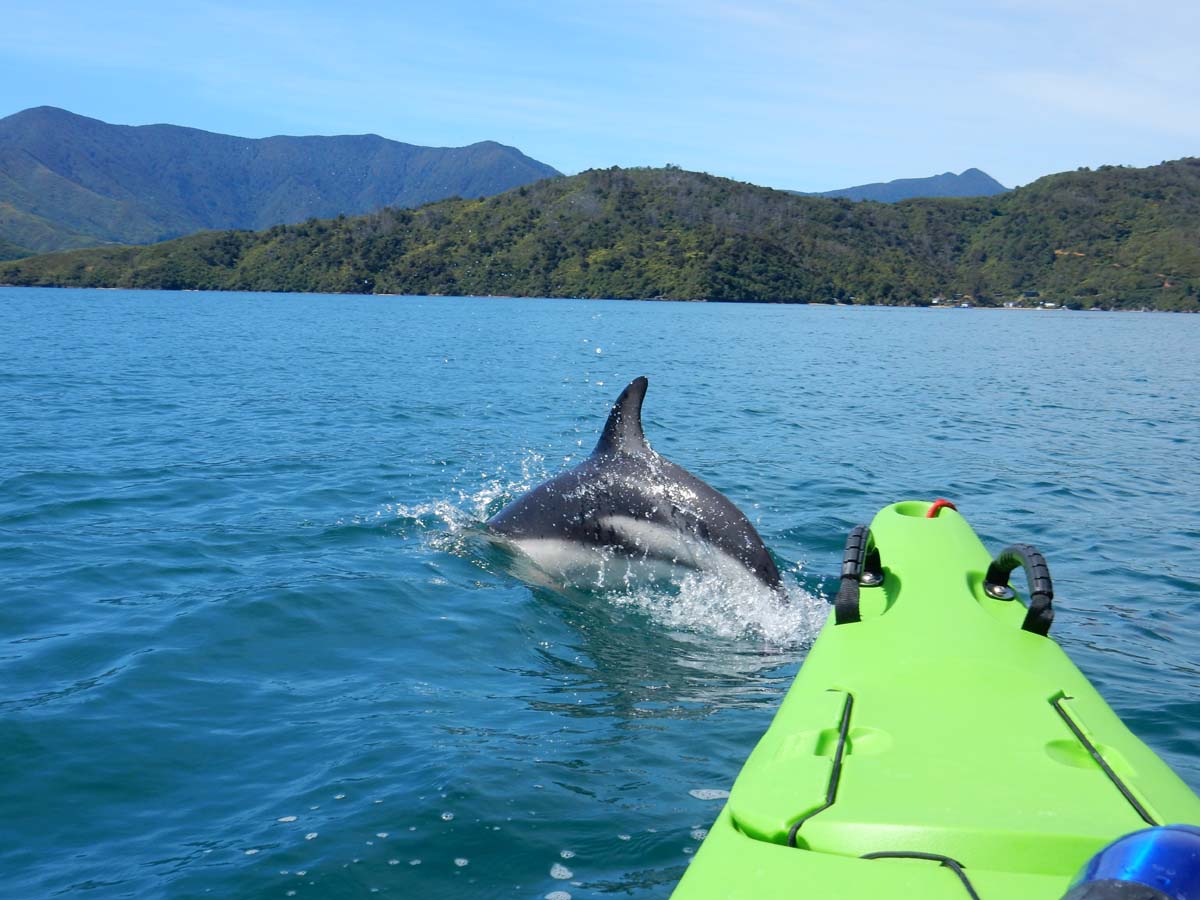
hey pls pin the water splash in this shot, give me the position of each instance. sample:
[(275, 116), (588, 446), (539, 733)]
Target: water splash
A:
[(443, 520), (726, 602)]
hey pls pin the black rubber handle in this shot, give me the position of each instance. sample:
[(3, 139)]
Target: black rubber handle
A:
[(860, 556), (1041, 588)]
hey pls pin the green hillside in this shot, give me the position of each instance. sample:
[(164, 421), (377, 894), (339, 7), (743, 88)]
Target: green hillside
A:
[(1117, 238)]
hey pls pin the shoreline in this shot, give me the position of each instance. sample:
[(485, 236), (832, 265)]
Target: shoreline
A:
[(815, 303)]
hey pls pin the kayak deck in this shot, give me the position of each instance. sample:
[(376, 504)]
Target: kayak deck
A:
[(934, 748)]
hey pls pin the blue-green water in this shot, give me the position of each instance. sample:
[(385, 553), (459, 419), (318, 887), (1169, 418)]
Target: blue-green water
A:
[(247, 648)]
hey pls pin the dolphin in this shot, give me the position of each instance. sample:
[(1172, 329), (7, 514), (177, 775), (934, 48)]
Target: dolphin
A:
[(626, 503)]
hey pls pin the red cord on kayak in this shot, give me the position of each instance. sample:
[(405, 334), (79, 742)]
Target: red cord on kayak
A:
[(938, 505)]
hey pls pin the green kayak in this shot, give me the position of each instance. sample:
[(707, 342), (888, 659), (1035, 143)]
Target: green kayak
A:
[(936, 742)]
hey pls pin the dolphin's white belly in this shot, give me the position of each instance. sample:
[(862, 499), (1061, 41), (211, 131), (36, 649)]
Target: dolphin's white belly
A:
[(662, 554)]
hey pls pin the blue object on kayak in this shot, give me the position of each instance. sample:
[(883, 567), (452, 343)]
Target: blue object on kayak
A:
[(1165, 859)]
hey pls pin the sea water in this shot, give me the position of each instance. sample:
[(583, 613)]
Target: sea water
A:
[(249, 646)]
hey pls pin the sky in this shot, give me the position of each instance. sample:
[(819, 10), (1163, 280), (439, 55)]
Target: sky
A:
[(801, 94)]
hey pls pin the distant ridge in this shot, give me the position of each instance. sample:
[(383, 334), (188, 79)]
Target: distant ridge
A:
[(68, 181), (970, 183)]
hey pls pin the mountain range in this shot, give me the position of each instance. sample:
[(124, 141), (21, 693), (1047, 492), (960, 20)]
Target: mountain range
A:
[(970, 183), (69, 181), (1114, 237)]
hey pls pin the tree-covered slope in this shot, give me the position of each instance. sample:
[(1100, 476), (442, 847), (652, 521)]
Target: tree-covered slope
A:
[(70, 180), (1114, 235), (646, 233)]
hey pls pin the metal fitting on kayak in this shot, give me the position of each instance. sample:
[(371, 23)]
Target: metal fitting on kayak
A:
[(1160, 863), (1041, 589)]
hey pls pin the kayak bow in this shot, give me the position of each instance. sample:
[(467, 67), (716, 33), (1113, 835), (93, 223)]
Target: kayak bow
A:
[(936, 742)]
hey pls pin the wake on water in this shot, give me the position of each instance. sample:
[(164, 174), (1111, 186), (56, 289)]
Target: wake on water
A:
[(720, 601)]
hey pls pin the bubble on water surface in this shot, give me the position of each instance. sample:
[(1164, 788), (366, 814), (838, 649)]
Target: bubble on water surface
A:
[(393, 862), (286, 819), (447, 816), (566, 854), (414, 862), (381, 834), (558, 895), (622, 837), (310, 835), (708, 793), (560, 872), (699, 834), (461, 861), (251, 852)]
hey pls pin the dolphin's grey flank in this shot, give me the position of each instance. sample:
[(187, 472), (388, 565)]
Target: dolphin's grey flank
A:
[(625, 500)]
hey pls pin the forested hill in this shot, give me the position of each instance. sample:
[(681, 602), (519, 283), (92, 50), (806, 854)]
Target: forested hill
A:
[(1115, 237), (69, 181)]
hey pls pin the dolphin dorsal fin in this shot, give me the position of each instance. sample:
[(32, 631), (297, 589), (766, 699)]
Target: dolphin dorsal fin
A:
[(623, 430)]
